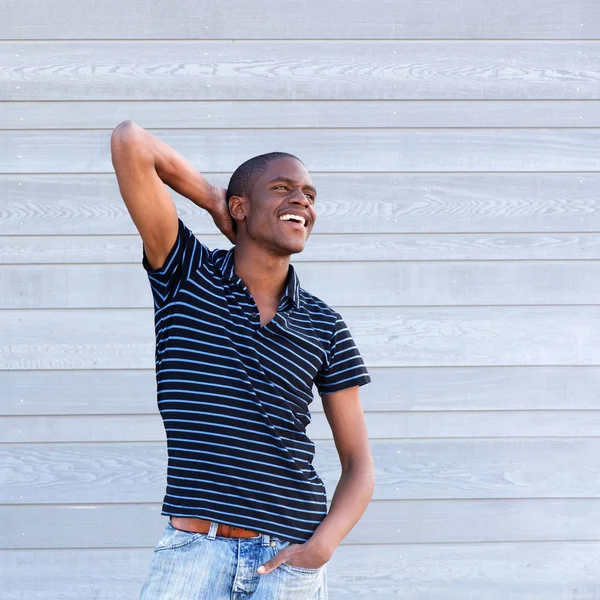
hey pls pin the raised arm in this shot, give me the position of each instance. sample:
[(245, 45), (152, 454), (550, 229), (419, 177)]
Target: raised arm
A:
[(143, 165)]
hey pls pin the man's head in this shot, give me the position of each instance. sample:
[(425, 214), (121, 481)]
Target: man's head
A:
[(265, 188)]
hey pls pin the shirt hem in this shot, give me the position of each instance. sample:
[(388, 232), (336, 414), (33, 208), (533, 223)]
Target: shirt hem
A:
[(229, 521)]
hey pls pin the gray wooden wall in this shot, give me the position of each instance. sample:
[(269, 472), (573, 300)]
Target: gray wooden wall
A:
[(456, 148)]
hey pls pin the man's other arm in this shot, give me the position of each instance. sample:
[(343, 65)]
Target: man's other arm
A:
[(356, 485), (354, 489)]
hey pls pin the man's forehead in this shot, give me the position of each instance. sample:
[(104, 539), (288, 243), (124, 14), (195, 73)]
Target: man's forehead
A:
[(287, 168)]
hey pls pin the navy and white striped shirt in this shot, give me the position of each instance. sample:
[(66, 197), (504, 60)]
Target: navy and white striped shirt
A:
[(234, 396)]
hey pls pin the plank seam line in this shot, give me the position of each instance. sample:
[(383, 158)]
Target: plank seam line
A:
[(460, 102), (403, 412), (386, 307), (56, 371), (375, 174), (403, 440), (323, 99), (315, 128), (298, 41), (342, 234), (374, 500), (399, 439), (346, 262), (344, 543), (318, 128)]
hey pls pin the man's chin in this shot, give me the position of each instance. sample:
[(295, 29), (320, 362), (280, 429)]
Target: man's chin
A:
[(290, 246), (289, 249)]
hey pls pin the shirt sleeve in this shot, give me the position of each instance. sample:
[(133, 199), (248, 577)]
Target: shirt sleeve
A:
[(186, 255), (344, 366)]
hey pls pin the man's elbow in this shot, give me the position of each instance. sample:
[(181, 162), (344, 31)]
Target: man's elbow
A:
[(362, 464), (128, 146), (125, 135), (365, 472)]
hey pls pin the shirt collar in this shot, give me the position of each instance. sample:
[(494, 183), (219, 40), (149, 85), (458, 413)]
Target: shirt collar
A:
[(292, 286)]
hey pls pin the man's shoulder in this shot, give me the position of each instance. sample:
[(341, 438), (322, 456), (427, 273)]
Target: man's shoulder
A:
[(214, 257), (317, 307), (217, 254)]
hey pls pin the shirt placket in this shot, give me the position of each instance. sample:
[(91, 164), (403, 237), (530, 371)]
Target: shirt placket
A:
[(254, 314)]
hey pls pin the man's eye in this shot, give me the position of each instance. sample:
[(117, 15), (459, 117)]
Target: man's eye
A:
[(310, 197)]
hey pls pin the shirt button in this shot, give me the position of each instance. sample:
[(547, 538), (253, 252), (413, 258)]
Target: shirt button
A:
[(255, 314)]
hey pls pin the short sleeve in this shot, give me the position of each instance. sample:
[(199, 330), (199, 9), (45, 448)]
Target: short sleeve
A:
[(344, 366), (186, 255)]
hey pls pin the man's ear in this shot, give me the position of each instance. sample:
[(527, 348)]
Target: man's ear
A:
[(238, 208)]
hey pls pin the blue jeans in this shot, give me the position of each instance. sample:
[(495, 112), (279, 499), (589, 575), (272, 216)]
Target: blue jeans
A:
[(203, 566)]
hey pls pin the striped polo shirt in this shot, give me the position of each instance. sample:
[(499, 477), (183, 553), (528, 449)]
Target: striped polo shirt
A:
[(234, 396)]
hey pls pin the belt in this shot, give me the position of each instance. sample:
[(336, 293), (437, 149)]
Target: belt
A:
[(201, 526)]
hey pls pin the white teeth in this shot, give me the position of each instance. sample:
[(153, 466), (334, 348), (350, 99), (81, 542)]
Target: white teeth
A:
[(293, 217)]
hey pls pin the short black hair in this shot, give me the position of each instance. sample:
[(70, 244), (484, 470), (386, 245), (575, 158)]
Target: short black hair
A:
[(245, 176)]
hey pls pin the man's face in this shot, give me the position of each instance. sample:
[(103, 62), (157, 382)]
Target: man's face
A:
[(285, 188)]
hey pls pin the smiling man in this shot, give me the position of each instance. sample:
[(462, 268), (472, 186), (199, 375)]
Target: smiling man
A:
[(239, 346)]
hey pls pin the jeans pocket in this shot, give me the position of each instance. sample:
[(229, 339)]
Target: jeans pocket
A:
[(281, 544), (176, 538), (300, 570)]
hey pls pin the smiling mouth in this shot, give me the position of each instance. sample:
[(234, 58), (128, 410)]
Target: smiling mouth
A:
[(295, 224)]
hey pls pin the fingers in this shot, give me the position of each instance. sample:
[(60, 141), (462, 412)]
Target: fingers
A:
[(272, 564)]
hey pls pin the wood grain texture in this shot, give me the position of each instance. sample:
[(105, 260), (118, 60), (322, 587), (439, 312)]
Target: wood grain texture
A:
[(351, 283), (340, 150), (499, 571), (286, 19), (300, 70), (386, 337), (70, 249), (384, 522), (380, 425), (415, 469), (300, 114), (90, 204), (420, 389), (456, 149)]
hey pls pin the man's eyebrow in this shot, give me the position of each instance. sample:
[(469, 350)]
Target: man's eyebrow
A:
[(292, 182)]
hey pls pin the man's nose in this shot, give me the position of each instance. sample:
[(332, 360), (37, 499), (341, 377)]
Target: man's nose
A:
[(299, 195)]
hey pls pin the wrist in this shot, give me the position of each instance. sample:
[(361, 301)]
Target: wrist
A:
[(320, 548), (214, 199)]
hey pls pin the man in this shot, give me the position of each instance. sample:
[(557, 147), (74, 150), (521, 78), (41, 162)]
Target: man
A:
[(239, 345)]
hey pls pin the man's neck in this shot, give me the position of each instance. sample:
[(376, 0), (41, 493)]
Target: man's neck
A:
[(263, 273)]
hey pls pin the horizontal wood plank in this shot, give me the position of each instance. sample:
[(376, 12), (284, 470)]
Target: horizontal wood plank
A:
[(385, 336), (300, 70), (287, 19), (135, 472), (341, 150), (384, 522), (421, 389), (351, 283), (380, 425), (90, 204), (300, 114), (516, 570), (70, 249)]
